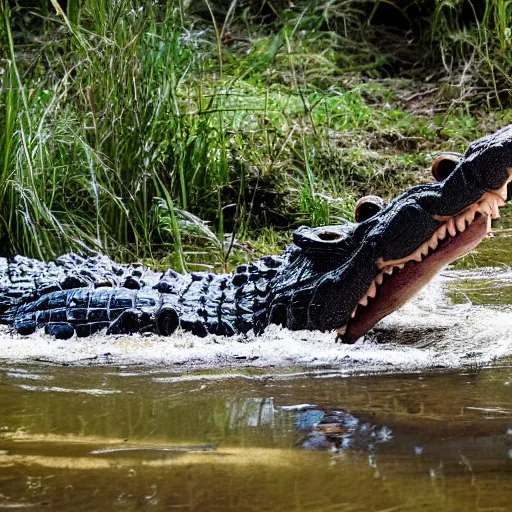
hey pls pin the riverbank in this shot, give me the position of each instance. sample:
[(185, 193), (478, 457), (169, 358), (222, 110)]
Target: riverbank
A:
[(183, 140)]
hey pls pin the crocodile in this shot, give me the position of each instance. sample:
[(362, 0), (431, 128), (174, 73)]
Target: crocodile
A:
[(341, 278)]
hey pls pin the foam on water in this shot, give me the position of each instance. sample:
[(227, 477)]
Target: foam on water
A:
[(429, 332)]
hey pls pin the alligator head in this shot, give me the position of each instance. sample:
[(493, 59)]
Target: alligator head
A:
[(349, 277)]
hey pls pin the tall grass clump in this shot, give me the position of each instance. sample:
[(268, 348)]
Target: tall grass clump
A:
[(476, 47), (464, 43), (120, 117), (128, 115)]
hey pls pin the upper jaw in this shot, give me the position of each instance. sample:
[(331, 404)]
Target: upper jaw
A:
[(409, 280), (450, 228), (488, 205)]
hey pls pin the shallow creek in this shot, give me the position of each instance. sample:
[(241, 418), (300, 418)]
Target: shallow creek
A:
[(286, 422), (137, 439)]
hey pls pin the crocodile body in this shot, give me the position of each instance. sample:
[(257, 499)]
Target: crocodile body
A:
[(24, 279), (68, 296), (343, 278)]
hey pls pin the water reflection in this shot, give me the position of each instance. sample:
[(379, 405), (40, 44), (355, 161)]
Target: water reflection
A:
[(273, 442), (251, 412)]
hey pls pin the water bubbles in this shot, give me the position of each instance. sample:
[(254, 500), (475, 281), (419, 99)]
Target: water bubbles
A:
[(385, 435)]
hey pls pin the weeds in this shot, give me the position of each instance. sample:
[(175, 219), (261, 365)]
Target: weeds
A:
[(133, 129), (476, 50)]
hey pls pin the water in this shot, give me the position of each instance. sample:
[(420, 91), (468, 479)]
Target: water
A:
[(142, 439), (285, 422)]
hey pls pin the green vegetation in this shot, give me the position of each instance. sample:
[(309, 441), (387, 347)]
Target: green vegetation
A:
[(201, 138)]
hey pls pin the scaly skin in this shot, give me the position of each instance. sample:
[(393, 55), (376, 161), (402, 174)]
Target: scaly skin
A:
[(323, 280), (201, 303)]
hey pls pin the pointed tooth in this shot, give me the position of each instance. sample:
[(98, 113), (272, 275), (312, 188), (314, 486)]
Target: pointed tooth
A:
[(353, 313), (502, 192), (424, 248), (379, 278), (441, 232), (470, 215), (460, 222), (450, 227), (495, 209), (502, 200), (485, 207), (416, 255), (401, 266), (498, 195), (372, 291), (489, 224), (433, 242), (389, 270), (364, 301)]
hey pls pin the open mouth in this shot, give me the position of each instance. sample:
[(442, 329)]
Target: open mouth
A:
[(400, 279)]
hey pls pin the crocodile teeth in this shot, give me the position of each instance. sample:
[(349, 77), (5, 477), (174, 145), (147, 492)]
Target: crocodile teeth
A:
[(417, 256), (495, 210), (486, 208), (374, 286), (470, 215), (441, 232), (502, 192), (451, 228), (433, 242), (488, 205)]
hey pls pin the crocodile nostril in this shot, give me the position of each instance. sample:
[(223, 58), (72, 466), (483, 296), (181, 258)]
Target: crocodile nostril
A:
[(329, 236)]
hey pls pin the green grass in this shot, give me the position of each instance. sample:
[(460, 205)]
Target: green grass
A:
[(482, 47), (138, 131)]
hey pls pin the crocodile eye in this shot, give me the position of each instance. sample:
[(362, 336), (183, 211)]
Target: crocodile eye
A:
[(367, 207), (444, 164)]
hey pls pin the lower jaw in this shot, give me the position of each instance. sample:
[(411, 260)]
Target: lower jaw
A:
[(406, 282)]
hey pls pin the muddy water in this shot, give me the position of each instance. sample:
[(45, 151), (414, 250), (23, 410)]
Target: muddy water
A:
[(150, 439)]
